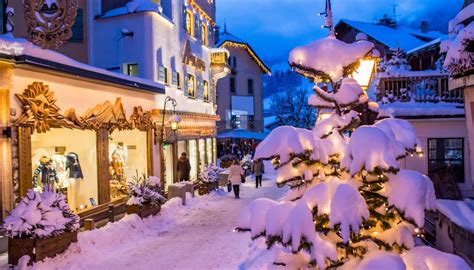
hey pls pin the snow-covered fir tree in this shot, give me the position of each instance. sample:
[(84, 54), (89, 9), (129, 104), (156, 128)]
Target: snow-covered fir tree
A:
[(350, 205), (397, 64)]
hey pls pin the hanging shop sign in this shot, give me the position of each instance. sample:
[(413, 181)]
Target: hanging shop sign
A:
[(190, 59), (49, 22)]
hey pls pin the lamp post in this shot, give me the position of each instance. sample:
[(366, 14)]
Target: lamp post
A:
[(174, 121), (363, 74)]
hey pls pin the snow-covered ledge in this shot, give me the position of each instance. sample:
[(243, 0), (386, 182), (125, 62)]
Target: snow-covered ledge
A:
[(461, 82), (455, 228)]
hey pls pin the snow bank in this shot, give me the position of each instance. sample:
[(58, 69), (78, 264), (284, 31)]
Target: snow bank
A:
[(426, 258), (414, 203), (329, 55)]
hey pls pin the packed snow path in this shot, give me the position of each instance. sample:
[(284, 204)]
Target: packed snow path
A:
[(197, 236)]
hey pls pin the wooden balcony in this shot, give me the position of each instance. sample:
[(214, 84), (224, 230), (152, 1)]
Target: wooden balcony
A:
[(420, 86)]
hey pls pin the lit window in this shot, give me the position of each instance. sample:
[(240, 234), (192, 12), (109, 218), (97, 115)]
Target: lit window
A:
[(204, 35), (131, 70), (206, 91), (189, 23), (191, 86)]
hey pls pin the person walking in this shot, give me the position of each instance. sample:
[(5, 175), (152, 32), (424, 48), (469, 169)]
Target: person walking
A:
[(258, 169), (183, 167), (235, 177)]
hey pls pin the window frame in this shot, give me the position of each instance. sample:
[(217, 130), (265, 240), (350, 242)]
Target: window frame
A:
[(204, 84), (165, 78), (127, 69), (194, 86), (250, 87), (190, 28), (444, 160), (204, 35)]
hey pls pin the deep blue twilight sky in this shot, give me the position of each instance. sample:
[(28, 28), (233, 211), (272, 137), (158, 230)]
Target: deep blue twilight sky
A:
[(273, 27)]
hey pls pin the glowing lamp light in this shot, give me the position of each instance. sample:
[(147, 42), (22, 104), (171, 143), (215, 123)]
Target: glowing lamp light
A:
[(364, 72), (174, 122)]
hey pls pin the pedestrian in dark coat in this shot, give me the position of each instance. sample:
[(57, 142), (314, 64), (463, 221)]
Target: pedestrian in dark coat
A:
[(183, 167), (258, 169)]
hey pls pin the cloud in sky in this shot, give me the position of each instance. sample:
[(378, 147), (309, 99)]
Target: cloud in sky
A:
[(273, 27)]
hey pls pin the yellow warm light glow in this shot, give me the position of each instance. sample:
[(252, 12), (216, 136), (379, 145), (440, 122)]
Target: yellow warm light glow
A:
[(324, 115), (363, 74)]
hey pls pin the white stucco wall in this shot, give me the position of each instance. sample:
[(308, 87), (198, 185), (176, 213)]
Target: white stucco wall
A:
[(440, 128), (157, 40)]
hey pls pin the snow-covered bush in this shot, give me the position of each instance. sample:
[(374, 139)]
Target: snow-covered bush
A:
[(246, 162), (350, 205), (41, 215), (210, 174), (144, 190)]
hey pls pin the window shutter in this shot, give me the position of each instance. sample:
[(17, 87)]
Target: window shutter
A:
[(184, 17)]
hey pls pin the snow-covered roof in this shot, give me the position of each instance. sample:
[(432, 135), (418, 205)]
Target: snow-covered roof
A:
[(226, 38), (18, 49), (434, 42), (134, 6), (241, 134), (418, 109), (400, 36)]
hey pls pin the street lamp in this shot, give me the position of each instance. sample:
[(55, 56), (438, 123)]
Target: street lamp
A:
[(174, 118), (363, 74)]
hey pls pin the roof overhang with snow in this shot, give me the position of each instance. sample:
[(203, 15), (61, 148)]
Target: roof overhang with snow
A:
[(232, 43), (55, 68)]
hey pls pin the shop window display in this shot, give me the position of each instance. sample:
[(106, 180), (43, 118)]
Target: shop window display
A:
[(202, 154), (168, 149), (214, 152), (209, 150), (59, 162), (193, 158), (127, 157)]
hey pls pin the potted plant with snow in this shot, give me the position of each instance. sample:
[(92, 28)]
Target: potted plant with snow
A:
[(246, 164), (41, 225), (208, 179), (145, 197)]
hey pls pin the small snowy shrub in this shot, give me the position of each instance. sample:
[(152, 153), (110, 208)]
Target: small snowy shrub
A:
[(41, 215), (144, 190), (210, 174), (246, 162)]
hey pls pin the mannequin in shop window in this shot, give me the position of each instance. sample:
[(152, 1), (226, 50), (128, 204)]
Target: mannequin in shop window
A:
[(183, 167), (46, 173), (117, 174)]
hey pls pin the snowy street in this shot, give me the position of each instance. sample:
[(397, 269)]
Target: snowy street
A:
[(197, 236)]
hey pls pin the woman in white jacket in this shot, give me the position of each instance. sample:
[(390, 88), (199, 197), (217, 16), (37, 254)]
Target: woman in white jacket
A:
[(235, 177)]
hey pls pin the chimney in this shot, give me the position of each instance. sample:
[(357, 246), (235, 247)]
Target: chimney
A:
[(424, 26)]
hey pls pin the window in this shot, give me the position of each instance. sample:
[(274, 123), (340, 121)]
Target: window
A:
[(234, 62), (127, 158), (191, 86), (78, 27), (176, 79), (163, 74), (250, 86), (189, 23), (204, 35), (447, 152), (131, 69), (59, 161), (232, 85), (206, 92)]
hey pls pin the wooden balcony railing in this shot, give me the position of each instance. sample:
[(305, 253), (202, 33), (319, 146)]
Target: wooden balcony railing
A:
[(418, 87)]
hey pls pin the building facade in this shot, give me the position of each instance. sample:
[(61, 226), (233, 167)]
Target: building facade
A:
[(239, 95), (112, 124)]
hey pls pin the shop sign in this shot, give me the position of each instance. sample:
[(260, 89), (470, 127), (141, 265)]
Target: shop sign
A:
[(49, 22), (190, 59)]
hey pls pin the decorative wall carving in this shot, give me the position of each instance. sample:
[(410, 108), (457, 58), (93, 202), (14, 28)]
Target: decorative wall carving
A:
[(141, 119), (39, 108), (107, 116), (49, 21)]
